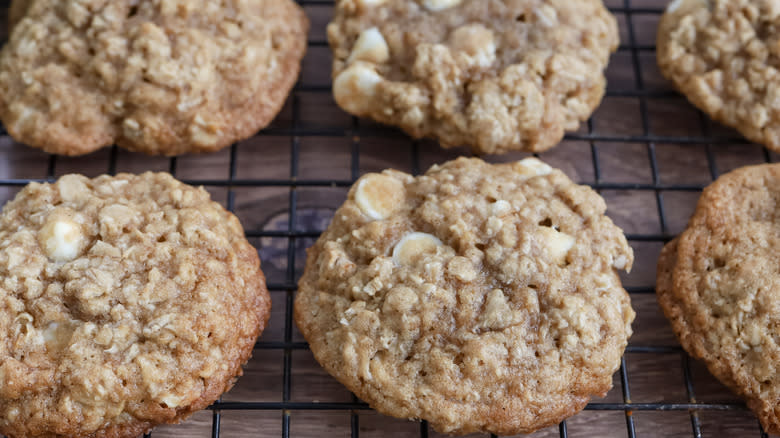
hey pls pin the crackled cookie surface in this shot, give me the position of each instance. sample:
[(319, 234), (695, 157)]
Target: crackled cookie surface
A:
[(125, 302), (490, 74), (478, 297), (719, 285), (156, 76), (723, 55)]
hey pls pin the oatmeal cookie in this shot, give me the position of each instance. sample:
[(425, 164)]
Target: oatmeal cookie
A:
[(125, 302), (491, 74), (723, 55), (719, 285), (157, 76), (478, 297)]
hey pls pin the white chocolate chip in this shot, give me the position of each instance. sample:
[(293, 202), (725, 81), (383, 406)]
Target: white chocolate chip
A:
[(476, 42), (500, 208), (620, 262), (61, 238), (370, 46), (131, 124), (532, 167), (378, 196), (440, 5), (556, 243), (354, 88), (676, 4), (71, 187), (673, 6), (413, 246)]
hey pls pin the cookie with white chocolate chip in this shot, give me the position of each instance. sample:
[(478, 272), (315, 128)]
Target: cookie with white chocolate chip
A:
[(723, 56), (156, 76), (125, 302), (718, 285), (494, 75), (478, 297)]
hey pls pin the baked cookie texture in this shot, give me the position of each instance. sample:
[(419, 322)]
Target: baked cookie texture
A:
[(156, 76), (718, 285), (478, 297), (494, 75), (723, 55), (125, 302)]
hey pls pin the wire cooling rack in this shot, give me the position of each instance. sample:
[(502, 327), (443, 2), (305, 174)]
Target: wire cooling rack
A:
[(646, 150)]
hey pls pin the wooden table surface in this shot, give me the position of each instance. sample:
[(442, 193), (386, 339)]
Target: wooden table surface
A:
[(637, 151)]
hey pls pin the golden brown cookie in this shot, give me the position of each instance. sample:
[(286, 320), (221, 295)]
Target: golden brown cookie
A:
[(490, 74), (478, 297), (719, 286), (125, 302), (156, 76), (723, 56)]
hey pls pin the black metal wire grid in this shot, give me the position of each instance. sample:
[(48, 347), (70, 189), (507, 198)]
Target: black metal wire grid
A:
[(626, 10)]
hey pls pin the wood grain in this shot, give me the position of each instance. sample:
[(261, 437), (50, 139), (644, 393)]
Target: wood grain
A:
[(325, 151)]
